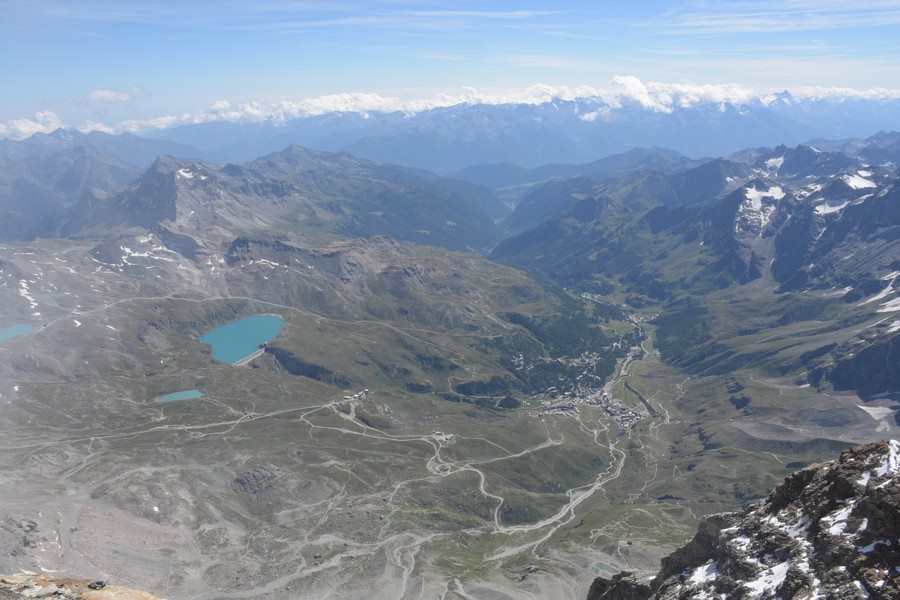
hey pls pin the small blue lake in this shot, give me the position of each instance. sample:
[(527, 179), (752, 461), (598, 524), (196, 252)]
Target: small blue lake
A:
[(14, 331), (182, 395), (233, 342)]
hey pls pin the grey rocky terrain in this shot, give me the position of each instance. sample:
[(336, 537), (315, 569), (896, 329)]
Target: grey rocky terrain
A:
[(831, 531)]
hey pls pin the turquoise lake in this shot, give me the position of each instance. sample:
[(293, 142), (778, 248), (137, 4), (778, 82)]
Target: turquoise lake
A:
[(14, 331), (235, 341), (182, 395)]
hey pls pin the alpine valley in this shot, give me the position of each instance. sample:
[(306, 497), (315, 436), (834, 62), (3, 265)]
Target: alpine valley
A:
[(500, 381)]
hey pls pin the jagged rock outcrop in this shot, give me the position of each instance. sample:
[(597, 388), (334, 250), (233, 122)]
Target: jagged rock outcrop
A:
[(31, 585), (829, 532), (261, 482)]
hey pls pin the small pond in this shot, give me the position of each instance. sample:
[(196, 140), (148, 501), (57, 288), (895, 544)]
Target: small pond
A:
[(13, 331), (182, 395)]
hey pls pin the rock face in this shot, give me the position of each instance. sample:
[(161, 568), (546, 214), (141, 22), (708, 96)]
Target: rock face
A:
[(29, 585), (829, 531), (870, 371)]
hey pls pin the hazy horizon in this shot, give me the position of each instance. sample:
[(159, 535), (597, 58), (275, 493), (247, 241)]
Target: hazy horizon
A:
[(139, 66)]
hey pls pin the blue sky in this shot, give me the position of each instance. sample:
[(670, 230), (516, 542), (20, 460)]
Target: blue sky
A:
[(113, 61)]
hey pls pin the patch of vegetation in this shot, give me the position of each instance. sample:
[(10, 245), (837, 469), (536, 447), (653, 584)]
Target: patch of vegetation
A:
[(566, 334), (509, 402), (494, 386), (681, 330), (419, 388)]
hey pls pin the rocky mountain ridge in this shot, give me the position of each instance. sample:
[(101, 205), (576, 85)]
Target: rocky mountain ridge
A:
[(829, 531), (318, 193)]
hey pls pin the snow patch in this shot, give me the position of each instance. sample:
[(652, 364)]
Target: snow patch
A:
[(839, 292), (871, 547), (891, 462), (877, 412), (756, 196), (801, 526), (754, 213), (704, 573), (883, 293), (829, 209), (769, 579), (809, 190), (838, 520), (891, 306), (265, 262), (25, 293), (857, 182)]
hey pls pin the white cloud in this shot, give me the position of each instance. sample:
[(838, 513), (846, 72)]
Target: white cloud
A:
[(627, 87), (105, 99), (623, 90), (362, 103), (109, 97), (89, 126), (596, 103), (43, 122)]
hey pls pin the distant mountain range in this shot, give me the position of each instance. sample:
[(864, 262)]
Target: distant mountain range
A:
[(125, 147), (648, 226), (575, 131), (803, 200), (525, 135)]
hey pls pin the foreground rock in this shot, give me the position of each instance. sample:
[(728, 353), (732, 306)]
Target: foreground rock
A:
[(829, 531), (28, 585)]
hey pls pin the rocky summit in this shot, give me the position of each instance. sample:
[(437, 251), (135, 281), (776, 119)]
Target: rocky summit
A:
[(31, 585), (829, 531)]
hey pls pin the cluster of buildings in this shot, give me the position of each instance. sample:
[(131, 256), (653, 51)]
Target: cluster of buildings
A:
[(355, 396), (622, 414), (444, 438)]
